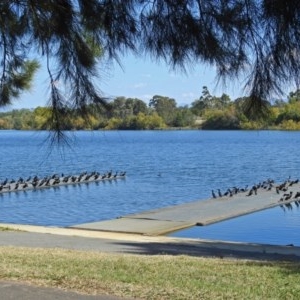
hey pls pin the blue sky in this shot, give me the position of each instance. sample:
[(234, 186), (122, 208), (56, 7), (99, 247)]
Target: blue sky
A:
[(140, 78)]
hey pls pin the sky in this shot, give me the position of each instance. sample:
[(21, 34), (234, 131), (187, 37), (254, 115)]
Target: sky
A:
[(140, 78)]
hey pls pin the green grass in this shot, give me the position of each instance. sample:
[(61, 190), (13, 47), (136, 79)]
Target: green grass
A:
[(151, 277)]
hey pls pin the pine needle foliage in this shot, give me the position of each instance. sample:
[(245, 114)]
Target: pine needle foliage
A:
[(259, 40)]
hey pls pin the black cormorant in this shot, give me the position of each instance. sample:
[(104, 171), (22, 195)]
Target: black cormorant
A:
[(250, 193), (219, 193), (297, 195)]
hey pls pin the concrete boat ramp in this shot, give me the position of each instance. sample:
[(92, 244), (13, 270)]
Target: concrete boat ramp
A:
[(202, 212)]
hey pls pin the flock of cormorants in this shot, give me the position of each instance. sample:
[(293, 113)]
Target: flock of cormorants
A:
[(56, 180), (286, 198), (266, 185)]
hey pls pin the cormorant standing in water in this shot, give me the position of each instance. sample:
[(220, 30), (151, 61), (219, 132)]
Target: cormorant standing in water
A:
[(297, 195), (219, 193), (254, 188), (242, 190), (288, 196), (250, 193), (34, 184)]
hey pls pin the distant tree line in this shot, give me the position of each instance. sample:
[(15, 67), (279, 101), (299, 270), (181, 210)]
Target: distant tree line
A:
[(206, 112)]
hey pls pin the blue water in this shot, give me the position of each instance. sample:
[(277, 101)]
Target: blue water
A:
[(163, 168)]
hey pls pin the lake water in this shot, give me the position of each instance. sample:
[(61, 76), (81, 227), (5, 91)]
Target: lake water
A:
[(163, 168)]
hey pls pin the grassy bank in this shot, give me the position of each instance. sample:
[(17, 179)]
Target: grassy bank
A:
[(151, 277)]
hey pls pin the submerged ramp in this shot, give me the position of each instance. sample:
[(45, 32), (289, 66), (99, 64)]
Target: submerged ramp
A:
[(202, 212)]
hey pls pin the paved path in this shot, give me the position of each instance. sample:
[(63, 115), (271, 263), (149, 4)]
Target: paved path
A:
[(49, 237), (87, 240), (10, 290), (202, 212)]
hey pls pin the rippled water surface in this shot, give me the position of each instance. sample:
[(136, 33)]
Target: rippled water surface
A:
[(163, 168)]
